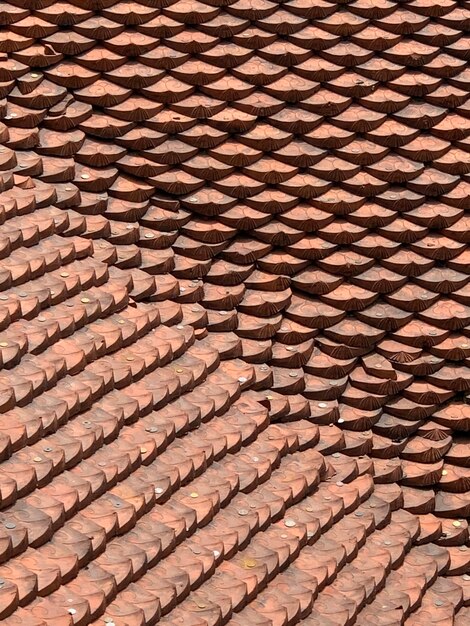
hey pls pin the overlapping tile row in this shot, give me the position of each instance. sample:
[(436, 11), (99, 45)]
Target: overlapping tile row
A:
[(234, 313)]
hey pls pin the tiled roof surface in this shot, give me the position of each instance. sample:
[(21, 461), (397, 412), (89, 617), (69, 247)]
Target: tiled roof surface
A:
[(234, 313)]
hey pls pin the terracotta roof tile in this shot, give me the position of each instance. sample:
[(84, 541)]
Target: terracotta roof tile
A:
[(234, 312)]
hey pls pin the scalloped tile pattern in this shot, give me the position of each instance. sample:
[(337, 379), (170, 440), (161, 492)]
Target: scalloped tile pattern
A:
[(234, 313)]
